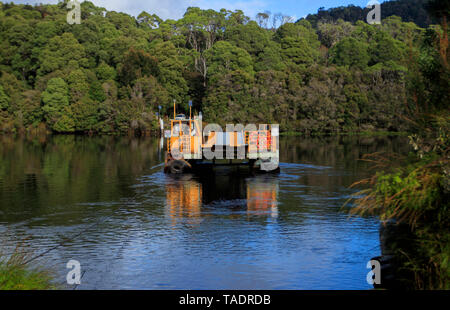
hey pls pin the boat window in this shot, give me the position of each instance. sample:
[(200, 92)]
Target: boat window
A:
[(193, 129), (177, 129)]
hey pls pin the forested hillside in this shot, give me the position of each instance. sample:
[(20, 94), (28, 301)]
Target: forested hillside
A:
[(110, 73), (409, 10)]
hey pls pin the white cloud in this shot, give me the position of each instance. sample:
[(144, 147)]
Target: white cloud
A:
[(173, 9), (163, 8)]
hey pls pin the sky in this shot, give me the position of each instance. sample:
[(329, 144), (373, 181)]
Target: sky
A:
[(174, 9)]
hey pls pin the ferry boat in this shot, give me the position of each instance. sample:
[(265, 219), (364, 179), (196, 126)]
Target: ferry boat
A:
[(192, 144)]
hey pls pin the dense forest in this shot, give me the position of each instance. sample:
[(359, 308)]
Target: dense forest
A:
[(409, 11), (110, 73)]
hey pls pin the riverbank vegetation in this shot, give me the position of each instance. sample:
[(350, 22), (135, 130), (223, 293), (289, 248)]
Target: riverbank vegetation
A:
[(111, 73), (17, 274), (416, 190)]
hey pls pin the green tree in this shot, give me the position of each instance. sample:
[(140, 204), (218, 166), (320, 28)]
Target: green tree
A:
[(150, 21), (249, 37), (60, 52), (270, 58), (229, 97), (386, 49), (151, 92), (330, 33), (29, 106), (85, 115), (13, 88), (350, 52), (171, 66), (137, 64), (4, 99), (56, 106), (224, 57), (78, 85), (299, 43), (105, 72)]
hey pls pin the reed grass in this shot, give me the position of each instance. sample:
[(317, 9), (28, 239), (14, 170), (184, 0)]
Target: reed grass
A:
[(414, 190), (17, 274)]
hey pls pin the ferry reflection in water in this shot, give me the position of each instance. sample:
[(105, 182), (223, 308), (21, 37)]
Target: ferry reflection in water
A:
[(188, 196), (184, 198)]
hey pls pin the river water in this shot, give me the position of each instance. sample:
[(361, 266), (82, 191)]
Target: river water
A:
[(107, 203)]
